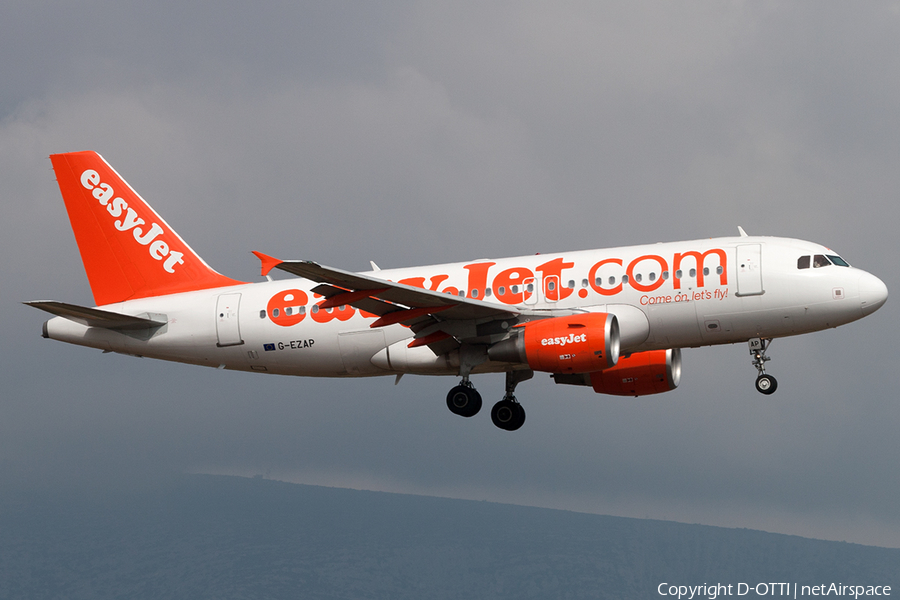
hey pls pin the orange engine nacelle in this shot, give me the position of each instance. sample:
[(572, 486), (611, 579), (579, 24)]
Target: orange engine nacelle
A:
[(640, 374), (573, 344)]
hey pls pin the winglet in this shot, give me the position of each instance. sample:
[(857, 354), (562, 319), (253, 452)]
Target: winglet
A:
[(742, 232), (267, 263)]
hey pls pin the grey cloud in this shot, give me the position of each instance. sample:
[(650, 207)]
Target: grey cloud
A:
[(420, 133)]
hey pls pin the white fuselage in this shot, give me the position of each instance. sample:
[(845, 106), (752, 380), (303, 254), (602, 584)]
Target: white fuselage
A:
[(667, 295)]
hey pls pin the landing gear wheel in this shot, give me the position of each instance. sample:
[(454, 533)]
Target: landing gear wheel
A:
[(464, 400), (766, 384), (508, 415)]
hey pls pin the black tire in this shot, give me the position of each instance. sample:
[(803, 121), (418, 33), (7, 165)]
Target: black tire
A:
[(766, 384), (508, 415), (519, 419), (464, 401)]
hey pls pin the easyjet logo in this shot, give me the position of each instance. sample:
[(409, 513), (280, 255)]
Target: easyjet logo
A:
[(562, 341), (516, 285), (127, 219)]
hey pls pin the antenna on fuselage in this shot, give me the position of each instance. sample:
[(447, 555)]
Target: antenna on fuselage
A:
[(742, 232)]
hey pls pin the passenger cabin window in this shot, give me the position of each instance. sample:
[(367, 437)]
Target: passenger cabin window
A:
[(819, 260)]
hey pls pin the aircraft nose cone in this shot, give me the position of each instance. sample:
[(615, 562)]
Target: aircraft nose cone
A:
[(872, 293)]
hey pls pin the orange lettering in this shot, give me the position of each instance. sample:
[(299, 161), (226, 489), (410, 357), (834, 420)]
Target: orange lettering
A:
[(324, 315), (699, 259), (508, 278), (592, 277), (552, 271), (639, 286), (477, 277), (284, 308)]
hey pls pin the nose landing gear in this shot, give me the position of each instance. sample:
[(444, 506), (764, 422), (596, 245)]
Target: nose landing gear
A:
[(765, 383)]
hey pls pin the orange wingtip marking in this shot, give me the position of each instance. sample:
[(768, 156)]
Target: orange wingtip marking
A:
[(437, 336), (398, 316), (348, 297), (267, 263)]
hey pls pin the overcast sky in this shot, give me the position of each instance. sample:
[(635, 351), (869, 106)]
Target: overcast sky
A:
[(410, 133)]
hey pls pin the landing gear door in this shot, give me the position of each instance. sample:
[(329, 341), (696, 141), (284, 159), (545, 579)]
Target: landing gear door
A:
[(749, 270), (228, 329)]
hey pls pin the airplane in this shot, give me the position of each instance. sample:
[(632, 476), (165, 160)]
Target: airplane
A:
[(614, 320)]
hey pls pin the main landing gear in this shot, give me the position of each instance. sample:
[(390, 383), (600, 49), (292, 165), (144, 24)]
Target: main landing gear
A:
[(765, 383), (508, 414), (464, 400)]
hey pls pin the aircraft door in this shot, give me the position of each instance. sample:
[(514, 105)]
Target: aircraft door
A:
[(749, 270), (228, 329)]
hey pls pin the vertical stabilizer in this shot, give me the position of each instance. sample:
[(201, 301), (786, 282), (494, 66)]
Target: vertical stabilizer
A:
[(127, 249)]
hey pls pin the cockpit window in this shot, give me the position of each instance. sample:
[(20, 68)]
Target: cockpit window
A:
[(803, 262), (838, 260), (820, 261)]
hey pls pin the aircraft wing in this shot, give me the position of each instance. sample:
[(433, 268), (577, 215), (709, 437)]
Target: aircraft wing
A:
[(433, 316)]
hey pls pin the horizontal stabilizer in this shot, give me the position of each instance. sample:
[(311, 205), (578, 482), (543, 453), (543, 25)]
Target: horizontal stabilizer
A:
[(94, 317)]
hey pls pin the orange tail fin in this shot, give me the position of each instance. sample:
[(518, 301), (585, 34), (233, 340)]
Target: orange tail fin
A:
[(128, 250)]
